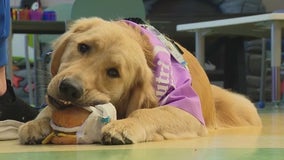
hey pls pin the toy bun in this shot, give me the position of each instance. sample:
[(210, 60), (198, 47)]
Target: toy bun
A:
[(70, 117), (64, 139), (66, 118), (78, 125)]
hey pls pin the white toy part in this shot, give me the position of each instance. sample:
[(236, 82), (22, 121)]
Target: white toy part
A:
[(90, 131), (35, 6)]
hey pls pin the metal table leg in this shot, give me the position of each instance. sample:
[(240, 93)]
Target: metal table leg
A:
[(263, 72), (200, 47), (275, 60)]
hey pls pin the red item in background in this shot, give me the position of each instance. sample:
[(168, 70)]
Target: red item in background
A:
[(24, 14), (282, 88)]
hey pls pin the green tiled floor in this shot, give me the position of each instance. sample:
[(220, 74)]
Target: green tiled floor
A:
[(145, 154)]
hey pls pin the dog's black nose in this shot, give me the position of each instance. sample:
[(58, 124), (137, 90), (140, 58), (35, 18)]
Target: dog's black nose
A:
[(70, 89)]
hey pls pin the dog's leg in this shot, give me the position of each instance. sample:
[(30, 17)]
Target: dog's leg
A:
[(154, 124), (33, 132)]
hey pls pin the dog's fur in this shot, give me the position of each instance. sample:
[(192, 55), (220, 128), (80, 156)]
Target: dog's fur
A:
[(110, 61)]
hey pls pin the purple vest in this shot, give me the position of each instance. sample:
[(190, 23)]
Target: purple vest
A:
[(172, 79)]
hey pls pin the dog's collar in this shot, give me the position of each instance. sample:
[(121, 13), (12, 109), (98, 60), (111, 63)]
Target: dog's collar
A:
[(172, 78)]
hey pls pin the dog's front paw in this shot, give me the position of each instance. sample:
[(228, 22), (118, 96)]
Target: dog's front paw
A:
[(123, 131), (33, 132)]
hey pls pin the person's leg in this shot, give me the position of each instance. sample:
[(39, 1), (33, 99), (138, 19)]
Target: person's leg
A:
[(4, 33), (3, 85), (11, 107)]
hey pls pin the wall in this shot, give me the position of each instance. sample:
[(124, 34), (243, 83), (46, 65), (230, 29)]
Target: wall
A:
[(272, 5)]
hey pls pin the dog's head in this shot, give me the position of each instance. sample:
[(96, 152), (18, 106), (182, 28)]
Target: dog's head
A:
[(99, 61)]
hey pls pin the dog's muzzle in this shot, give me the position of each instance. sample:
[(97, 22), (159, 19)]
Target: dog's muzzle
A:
[(69, 92), (70, 89)]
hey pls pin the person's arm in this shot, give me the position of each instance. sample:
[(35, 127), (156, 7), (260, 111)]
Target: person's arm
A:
[(4, 18)]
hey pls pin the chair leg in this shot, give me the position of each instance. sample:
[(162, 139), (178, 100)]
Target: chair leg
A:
[(29, 75), (263, 72)]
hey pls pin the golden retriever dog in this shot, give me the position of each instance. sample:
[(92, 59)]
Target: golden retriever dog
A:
[(98, 61)]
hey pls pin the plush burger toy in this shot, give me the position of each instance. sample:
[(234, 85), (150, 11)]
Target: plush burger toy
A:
[(79, 125)]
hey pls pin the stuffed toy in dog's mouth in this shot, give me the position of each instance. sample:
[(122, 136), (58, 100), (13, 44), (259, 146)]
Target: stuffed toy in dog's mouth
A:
[(79, 125)]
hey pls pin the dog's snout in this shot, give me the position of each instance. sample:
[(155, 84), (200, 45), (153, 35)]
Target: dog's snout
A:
[(70, 89)]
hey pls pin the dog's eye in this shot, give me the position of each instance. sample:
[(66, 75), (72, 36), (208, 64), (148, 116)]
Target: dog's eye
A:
[(113, 73), (83, 48)]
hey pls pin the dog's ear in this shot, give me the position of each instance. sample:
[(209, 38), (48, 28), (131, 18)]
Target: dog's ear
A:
[(58, 50), (59, 45), (142, 94)]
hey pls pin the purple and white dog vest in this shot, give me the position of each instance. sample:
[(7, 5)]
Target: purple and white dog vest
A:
[(172, 78)]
